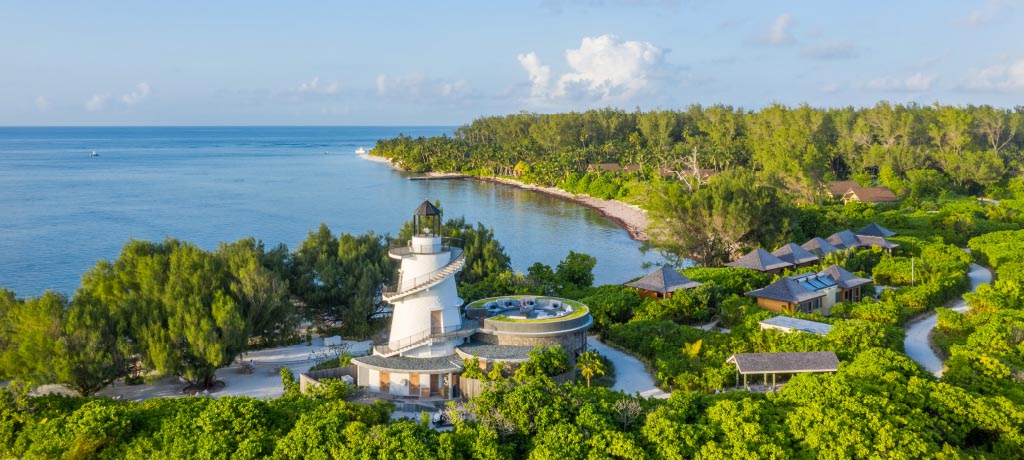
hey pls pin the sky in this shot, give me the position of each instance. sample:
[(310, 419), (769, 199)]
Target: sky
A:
[(449, 62)]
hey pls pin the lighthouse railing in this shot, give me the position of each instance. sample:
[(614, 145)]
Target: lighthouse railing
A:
[(433, 333), (404, 285), (405, 248)]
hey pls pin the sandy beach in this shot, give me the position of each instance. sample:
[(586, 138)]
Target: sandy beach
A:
[(631, 218)]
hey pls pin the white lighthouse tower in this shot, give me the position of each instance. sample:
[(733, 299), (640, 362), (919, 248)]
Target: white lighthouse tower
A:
[(426, 321)]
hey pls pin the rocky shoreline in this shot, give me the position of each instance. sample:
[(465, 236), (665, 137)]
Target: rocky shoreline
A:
[(630, 218)]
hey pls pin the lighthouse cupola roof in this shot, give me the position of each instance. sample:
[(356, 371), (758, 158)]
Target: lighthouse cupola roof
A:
[(426, 220)]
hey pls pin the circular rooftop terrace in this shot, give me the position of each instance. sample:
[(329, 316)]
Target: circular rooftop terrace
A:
[(528, 314)]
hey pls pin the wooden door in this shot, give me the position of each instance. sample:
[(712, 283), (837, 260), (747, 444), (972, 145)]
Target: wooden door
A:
[(435, 383), (385, 385), (435, 322)]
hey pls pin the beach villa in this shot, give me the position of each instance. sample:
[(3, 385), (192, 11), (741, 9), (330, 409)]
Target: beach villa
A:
[(810, 292)]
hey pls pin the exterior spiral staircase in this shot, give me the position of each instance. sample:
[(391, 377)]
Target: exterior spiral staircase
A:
[(395, 292)]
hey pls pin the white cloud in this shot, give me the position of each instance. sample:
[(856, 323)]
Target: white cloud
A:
[(42, 103), (136, 96), (540, 75), (991, 11), (97, 103), (1005, 76), (602, 67), (830, 50), (315, 87), (417, 87), (914, 83), (780, 33)]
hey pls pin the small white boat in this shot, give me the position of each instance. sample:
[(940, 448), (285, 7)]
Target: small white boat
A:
[(94, 154), (361, 151)]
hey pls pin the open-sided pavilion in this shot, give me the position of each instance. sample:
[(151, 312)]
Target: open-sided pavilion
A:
[(782, 363)]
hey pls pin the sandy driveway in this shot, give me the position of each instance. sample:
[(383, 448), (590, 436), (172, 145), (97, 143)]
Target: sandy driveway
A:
[(630, 375), (917, 344)]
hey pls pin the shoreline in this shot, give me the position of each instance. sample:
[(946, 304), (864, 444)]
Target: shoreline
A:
[(630, 218)]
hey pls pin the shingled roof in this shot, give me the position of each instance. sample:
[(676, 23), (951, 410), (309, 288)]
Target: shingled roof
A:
[(819, 246), (787, 363), (427, 209), (759, 260), (664, 279), (843, 278), (787, 290), (839, 188), (883, 243), (844, 240), (794, 254), (874, 229), (880, 194)]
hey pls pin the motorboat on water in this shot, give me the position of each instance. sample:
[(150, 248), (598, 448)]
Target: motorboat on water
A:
[(361, 151), (94, 154)]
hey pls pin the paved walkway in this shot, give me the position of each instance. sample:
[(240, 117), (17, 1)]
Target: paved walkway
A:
[(265, 382), (918, 344), (630, 375)]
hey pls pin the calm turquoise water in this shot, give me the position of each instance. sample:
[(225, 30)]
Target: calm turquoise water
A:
[(61, 210)]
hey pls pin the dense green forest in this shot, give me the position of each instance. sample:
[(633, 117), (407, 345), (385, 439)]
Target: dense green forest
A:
[(974, 148), (718, 181)]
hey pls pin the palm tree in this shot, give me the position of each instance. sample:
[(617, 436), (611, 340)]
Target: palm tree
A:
[(589, 365)]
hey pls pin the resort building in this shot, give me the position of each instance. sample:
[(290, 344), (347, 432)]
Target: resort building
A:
[(762, 261), (847, 240), (849, 284), (848, 190), (874, 229), (661, 283), (789, 324), (421, 358), (810, 292), (819, 246), (795, 255), (881, 194)]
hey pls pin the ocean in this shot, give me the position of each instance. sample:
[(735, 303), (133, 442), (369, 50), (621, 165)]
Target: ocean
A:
[(62, 209)]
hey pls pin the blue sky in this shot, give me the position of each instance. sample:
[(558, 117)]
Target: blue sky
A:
[(445, 63)]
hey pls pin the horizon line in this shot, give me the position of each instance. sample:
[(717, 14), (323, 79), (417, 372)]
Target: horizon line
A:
[(229, 126)]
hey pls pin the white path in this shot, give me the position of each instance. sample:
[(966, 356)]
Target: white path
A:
[(917, 344), (265, 382), (630, 375)]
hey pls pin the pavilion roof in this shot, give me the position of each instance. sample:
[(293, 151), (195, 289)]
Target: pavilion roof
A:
[(843, 278), (879, 194), (786, 289), (819, 246), (843, 240), (787, 362), (883, 243), (427, 209), (794, 254), (873, 229), (840, 187), (759, 260), (664, 279)]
